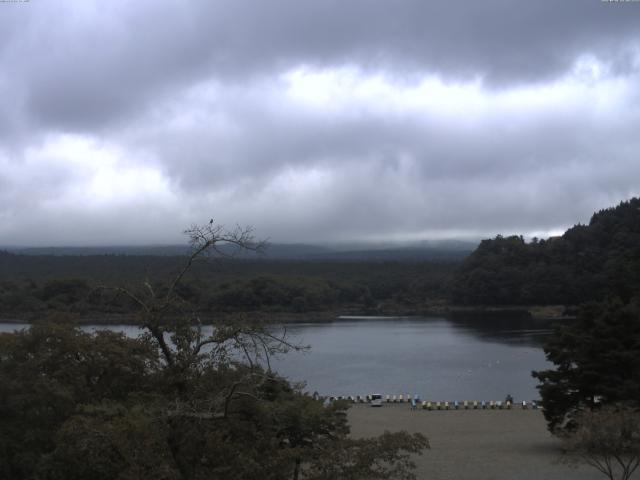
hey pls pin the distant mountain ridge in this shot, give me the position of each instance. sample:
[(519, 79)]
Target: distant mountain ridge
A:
[(444, 251), (588, 262)]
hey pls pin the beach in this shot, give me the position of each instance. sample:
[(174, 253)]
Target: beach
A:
[(475, 444)]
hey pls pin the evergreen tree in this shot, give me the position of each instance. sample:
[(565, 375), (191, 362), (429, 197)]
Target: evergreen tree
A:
[(597, 362)]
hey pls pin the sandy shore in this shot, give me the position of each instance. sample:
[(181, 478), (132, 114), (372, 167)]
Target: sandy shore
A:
[(475, 444)]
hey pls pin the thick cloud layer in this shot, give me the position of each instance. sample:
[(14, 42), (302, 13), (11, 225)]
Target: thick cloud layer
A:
[(123, 122)]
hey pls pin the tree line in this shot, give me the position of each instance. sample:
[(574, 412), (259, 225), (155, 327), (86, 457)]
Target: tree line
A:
[(32, 285), (588, 262)]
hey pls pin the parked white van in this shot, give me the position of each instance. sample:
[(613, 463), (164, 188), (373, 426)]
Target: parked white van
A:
[(376, 400)]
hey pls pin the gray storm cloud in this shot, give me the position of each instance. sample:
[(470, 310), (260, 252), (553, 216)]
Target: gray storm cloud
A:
[(124, 122)]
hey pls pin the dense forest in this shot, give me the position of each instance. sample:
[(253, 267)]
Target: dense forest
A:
[(33, 284), (588, 262)]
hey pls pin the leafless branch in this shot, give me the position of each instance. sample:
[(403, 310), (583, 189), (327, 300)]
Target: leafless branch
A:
[(208, 237)]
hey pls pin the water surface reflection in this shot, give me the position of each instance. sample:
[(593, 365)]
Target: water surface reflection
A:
[(433, 357), (437, 358)]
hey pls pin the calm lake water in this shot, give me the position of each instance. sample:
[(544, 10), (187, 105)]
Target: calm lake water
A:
[(433, 357)]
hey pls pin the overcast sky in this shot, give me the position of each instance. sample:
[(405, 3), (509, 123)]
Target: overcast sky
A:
[(123, 122)]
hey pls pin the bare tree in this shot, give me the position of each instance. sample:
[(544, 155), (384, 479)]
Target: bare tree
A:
[(608, 439), (175, 325)]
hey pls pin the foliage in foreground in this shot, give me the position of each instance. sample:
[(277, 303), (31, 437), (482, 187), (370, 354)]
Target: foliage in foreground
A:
[(174, 403), (75, 405), (597, 362), (608, 439)]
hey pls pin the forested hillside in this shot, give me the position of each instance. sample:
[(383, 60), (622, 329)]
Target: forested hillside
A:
[(588, 262), (31, 285)]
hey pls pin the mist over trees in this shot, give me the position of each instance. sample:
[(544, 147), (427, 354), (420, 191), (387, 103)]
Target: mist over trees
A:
[(589, 262)]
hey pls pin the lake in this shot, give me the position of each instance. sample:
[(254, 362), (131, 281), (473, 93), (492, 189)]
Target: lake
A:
[(434, 357)]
